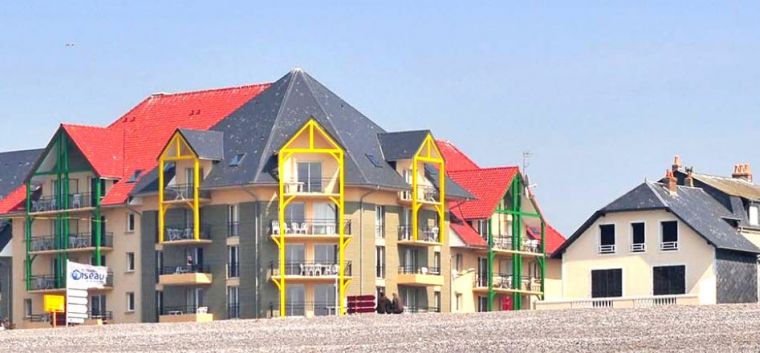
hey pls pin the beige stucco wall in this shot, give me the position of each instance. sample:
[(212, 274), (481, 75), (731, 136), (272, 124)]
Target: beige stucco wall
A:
[(582, 256), (553, 279)]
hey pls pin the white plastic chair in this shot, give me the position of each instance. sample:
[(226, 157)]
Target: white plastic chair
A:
[(76, 201), (276, 227), (202, 310)]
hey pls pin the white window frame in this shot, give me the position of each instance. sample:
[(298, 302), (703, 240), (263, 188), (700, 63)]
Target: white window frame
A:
[(28, 309), (131, 222), (634, 248), (380, 262), (669, 247), (753, 221), (607, 250), (130, 302)]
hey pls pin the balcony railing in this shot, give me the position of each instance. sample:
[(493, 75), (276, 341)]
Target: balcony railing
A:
[(233, 269), (420, 270), (528, 245), (38, 318), (182, 269), (311, 227), (503, 281), (233, 229), (619, 302), (76, 241), (311, 186), (179, 233), (310, 269), (414, 309), (322, 308), (430, 234), (669, 246), (100, 315), (425, 193), (607, 249), (51, 203), (45, 282), (638, 247), (179, 192), (183, 310)]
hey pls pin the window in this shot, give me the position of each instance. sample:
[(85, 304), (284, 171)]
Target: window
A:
[(130, 222), (98, 305), (669, 241), (379, 221), (233, 220), (437, 301), (27, 307), (482, 304), (638, 238), (237, 159), (130, 262), (436, 263), (607, 283), (372, 159), (134, 176), (380, 261), (458, 262), (754, 215), (130, 302), (233, 303), (459, 301), (669, 280), (310, 176), (482, 227), (233, 263), (607, 239)]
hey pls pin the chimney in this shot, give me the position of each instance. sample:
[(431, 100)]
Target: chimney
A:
[(676, 163), (689, 181), (672, 182), (742, 171)]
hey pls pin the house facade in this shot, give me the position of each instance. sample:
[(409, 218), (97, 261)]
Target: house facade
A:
[(660, 243), (256, 201)]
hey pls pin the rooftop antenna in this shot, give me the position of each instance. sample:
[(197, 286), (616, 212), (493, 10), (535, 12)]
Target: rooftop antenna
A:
[(526, 156)]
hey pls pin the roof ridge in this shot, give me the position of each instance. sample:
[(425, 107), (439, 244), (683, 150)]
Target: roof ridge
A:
[(483, 168), (264, 155), (83, 125), (657, 193), (167, 94)]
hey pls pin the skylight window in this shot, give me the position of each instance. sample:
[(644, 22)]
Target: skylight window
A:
[(237, 159), (373, 160), (134, 176)]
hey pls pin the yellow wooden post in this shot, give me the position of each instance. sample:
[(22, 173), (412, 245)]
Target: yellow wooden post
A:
[(161, 212), (196, 195)]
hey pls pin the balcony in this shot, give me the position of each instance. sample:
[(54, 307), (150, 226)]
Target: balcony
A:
[(184, 275), (669, 246), (179, 235), (312, 187), (233, 229), (425, 194), (607, 249), (638, 247), (503, 283), (311, 229), (81, 242), (419, 276), (414, 309), (307, 309), (183, 193), (46, 283), (185, 313), (425, 235), (310, 271), (528, 246), (50, 203)]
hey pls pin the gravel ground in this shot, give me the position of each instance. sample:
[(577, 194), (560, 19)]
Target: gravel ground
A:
[(724, 328)]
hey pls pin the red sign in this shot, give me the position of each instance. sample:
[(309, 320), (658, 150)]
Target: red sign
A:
[(360, 304)]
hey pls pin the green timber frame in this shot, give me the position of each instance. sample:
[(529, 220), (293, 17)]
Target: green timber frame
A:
[(516, 191), (61, 214)]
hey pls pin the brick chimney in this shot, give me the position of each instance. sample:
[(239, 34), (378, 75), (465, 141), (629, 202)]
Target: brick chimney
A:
[(742, 171), (676, 163), (689, 180), (672, 182)]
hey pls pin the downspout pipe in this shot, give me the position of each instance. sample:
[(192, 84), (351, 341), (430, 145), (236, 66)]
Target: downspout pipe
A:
[(361, 234)]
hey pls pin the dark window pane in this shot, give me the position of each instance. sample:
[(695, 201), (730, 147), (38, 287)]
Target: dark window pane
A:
[(608, 234), (638, 233), (606, 283), (669, 231), (669, 280)]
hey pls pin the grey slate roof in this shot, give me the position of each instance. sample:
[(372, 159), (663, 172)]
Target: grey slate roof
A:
[(14, 167), (261, 126), (401, 144), (206, 144), (693, 206)]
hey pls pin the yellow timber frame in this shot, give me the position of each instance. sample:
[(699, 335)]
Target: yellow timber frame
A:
[(313, 129), (172, 152), (429, 153)]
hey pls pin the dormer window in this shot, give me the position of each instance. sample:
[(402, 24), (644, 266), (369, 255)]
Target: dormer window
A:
[(607, 239), (237, 159), (134, 176), (754, 217)]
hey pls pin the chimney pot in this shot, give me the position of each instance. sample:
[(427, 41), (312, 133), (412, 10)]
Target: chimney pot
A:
[(742, 171), (672, 182), (676, 163)]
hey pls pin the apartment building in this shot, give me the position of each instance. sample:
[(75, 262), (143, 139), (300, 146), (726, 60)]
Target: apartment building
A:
[(256, 201), (499, 240), (661, 243)]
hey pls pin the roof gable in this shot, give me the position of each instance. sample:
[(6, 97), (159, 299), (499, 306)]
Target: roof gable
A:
[(487, 185), (454, 157), (206, 144), (402, 144)]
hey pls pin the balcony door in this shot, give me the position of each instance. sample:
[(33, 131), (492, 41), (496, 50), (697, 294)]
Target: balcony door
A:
[(326, 253), (295, 255), (324, 299), (482, 271), (295, 295), (310, 176), (325, 215), (194, 298), (410, 259)]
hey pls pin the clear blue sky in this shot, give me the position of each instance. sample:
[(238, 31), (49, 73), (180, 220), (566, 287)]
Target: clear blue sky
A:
[(602, 94)]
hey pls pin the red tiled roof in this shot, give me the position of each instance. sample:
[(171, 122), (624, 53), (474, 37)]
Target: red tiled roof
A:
[(488, 185), (148, 126), (102, 147), (469, 236), (553, 237), (13, 200), (455, 158)]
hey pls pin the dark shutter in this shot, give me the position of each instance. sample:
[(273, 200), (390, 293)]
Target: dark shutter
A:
[(669, 280), (607, 283)]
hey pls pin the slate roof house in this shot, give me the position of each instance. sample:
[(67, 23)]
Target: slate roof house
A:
[(661, 243), (273, 199)]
